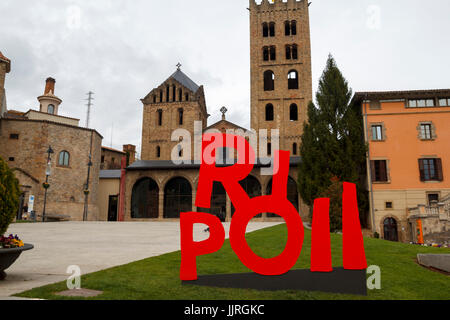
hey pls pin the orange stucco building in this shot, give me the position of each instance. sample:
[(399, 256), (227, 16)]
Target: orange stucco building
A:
[(408, 163)]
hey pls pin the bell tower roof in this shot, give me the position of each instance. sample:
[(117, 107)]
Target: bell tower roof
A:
[(184, 80)]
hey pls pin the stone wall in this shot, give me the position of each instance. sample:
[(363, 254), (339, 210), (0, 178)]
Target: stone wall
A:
[(111, 159), (27, 155), (402, 201)]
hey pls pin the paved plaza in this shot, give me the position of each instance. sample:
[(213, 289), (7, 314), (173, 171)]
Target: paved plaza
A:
[(92, 246)]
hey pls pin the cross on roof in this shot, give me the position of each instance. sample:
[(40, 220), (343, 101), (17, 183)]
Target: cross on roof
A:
[(223, 110), (179, 65)]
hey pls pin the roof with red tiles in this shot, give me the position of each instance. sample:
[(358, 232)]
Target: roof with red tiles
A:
[(8, 62)]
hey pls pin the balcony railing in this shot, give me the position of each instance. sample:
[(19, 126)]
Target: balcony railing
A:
[(441, 210)]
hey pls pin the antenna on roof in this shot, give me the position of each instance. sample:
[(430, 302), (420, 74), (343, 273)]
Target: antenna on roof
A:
[(89, 105), (112, 129)]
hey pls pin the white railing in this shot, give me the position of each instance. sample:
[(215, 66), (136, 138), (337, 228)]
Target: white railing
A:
[(421, 210)]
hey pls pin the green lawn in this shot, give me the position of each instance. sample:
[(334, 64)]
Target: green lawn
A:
[(158, 277)]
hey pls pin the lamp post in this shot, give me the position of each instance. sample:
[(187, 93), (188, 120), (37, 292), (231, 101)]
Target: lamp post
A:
[(86, 190), (47, 174)]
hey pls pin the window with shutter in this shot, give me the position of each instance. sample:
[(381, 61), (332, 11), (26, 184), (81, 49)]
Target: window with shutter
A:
[(440, 174), (421, 170), (379, 171), (431, 170)]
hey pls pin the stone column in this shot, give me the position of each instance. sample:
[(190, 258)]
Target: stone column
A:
[(194, 195), (228, 219), (161, 206), (264, 214)]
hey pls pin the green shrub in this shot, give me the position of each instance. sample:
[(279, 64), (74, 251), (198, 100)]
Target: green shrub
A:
[(9, 196)]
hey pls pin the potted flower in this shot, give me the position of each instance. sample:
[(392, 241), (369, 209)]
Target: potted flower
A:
[(10, 247)]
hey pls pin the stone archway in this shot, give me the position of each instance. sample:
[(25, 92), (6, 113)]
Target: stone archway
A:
[(253, 188), (145, 199), (292, 195), (218, 202), (177, 197), (390, 229)]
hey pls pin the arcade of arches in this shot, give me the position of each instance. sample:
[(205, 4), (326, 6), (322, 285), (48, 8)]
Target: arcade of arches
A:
[(163, 194)]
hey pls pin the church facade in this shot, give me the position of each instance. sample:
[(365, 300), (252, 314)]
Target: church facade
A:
[(281, 88)]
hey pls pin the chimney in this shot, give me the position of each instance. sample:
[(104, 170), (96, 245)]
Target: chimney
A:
[(131, 152), (50, 86)]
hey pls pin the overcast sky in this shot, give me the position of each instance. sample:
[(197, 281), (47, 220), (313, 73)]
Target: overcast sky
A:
[(122, 49)]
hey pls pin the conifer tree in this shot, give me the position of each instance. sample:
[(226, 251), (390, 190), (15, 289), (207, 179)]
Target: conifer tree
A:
[(333, 144)]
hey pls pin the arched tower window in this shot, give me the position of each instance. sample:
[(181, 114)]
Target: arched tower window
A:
[(180, 117), (186, 97), (294, 52), (288, 52), (174, 93), (51, 109), (265, 27), (160, 117), (269, 80), (269, 112), (154, 98), (287, 28), (293, 112), (273, 53), (167, 93), (293, 79), (266, 53), (272, 29), (158, 152), (160, 96), (64, 158), (294, 149), (293, 27)]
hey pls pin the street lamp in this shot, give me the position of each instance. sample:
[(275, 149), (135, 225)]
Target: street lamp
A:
[(86, 190), (47, 174)]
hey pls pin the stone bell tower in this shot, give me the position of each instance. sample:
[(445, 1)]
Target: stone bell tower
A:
[(280, 63), (175, 104)]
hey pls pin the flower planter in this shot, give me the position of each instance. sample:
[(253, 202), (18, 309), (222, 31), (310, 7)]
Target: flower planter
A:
[(9, 256)]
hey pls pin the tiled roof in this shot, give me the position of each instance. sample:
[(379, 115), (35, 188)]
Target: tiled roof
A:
[(222, 122), (169, 165), (408, 94), (185, 80), (110, 174), (13, 114), (8, 62), (113, 150)]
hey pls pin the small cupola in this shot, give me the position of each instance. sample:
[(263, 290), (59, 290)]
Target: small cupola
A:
[(49, 103)]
